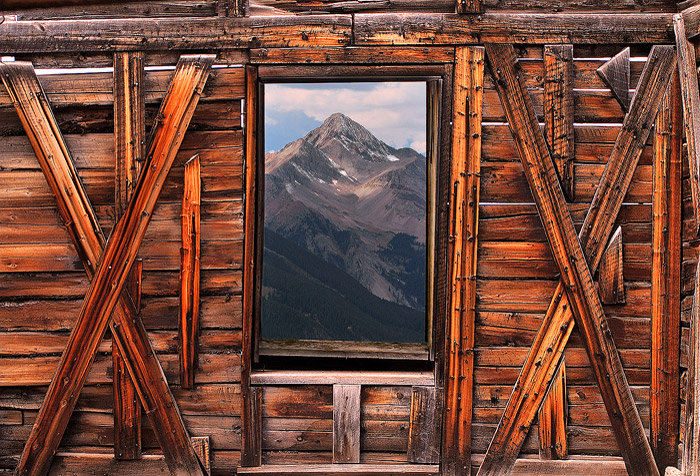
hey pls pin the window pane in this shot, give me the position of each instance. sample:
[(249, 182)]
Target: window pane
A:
[(345, 212)]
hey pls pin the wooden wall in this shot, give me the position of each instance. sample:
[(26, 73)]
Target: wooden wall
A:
[(42, 283)]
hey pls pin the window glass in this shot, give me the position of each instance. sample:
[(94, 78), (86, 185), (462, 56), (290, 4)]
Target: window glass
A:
[(345, 212)]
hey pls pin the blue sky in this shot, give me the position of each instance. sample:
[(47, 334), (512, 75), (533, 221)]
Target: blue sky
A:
[(392, 111)]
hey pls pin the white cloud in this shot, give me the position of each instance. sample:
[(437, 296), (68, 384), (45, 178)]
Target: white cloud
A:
[(393, 111)]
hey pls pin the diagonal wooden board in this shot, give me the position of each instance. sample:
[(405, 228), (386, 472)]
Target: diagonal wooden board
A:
[(615, 73), (544, 357), (74, 206), (576, 291)]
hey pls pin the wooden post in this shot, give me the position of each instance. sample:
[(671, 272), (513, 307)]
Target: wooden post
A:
[(346, 423), (129, 147), (666, 280), (111, 275), (572, 264), (189, 274), (690, 91), (464, 220), (423, 430), (552, 419), (250, 449), (559, 111), (548, 346)]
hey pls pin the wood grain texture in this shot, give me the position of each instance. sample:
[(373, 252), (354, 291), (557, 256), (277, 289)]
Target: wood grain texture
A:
[(201, 446), (462, 251), (688, 75), (552, 419), (129, 148), (556, 327), (366, 469), (470, 6), (691, 441), (572, 263), (174, 33), (559, 112), (190, 273), (346, 423), (80, 351), (424, 429), (615, 73), (250, 451), (611, 280), (353, 55), (542, 28), (666, 279)]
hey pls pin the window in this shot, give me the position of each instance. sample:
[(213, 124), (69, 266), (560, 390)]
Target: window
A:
[(346, 216)]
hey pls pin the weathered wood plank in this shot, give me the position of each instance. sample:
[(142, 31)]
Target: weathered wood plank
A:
[(201, 447), (72, 371), (470, 6), (353, 55), (346, 423), (177, 34), (454, 29), (344, 377), (616, 75), (688, 75), (232, 8), (665, 279), (559, 112), (251, 451), (189, 273), (464, 219), (572, 263), (611, 280), (129, 147), (423, 432), (366, 469), (552, 419), (691, 441), (541, 364)]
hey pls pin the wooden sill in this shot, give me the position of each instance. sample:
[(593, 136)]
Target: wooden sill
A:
[(337, 469), (332, 377), (342, 349)]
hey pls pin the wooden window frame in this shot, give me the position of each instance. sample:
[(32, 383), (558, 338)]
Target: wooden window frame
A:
[(438, 79)]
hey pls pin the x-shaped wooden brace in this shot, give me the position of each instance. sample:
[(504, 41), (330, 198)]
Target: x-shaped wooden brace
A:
[(576, 298), (115, 259)]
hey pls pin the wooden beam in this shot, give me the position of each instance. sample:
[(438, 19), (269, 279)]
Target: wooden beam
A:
[(559, 111), (111, 275), (691, 18), (189, 274), (346, 423), (250, 450), (129, 147), (611, 279), (547, 348), (572, 264), (424, 428), (510, 27), (157, 34), (365, 469), (615, 73), (552, 419), (691, 109), (666, 279), (464, 216)]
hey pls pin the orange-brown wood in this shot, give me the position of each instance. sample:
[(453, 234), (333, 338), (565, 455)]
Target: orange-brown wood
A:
[(611, 280), (145, 369), (251, 451), (552, 419), (464, 216), (548, 345), (129, 147), (666, 279), (559, 111), (572, 263), (189, 273), (470, 6)]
